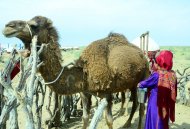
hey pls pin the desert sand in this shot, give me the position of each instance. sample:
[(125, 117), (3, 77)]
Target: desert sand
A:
[(182, 119)]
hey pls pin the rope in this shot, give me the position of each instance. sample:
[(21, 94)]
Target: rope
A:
[(48, 83), (29, 29)]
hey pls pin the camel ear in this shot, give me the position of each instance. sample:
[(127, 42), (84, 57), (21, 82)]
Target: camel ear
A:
[(49, 22), (32, 23)]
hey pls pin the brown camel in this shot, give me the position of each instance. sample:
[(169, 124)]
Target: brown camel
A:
[(106, 66)]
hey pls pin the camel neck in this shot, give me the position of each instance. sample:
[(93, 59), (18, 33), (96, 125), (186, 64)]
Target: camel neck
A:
[(51, 59), (70, 81)]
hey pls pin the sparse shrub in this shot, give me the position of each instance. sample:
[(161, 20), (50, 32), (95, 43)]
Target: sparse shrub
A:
[(187, 57)]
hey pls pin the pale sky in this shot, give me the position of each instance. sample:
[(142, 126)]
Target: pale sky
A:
[(79, 22)]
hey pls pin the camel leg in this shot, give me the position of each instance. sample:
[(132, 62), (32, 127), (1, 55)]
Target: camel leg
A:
[(122, 109), (108, 112), (67, 105), (127, 95), (124, 100), (134, 107), (86, 103), (116, 98), (141, 114)]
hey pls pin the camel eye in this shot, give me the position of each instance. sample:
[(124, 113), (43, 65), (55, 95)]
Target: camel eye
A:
[(33, 26), (20, 24), (37, 18)]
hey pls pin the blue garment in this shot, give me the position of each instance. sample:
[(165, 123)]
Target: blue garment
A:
[(153, 120)]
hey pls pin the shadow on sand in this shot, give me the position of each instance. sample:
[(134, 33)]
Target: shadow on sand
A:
[(182, 126), (72, 123)]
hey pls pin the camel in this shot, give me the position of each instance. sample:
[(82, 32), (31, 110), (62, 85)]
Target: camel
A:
[(106, 66)]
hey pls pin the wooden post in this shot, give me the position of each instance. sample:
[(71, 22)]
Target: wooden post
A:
[(98, 114), (1, 104), (9, 109), (23, 93), (140, 42), (1, 98), (57, 110), (144, 42), (147, 42)]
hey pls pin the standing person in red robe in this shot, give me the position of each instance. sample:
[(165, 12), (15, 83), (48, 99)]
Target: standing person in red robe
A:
[(163, 85), (24, 53)]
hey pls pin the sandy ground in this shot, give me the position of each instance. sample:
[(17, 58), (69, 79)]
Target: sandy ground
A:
[(182, 119), (182, 112)]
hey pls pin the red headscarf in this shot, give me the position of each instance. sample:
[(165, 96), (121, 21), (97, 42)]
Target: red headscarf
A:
[(167, 87), (165, 59)]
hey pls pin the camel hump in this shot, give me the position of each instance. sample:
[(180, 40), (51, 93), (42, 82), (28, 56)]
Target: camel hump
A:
[(116, 35), (116, 38), (103, 46), (112, 56), (127, 61)]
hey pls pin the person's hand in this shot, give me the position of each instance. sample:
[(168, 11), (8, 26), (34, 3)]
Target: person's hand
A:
[(164, 112), (138, 85)]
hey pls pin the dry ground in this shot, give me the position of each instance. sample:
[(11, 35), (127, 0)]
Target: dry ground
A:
[(182, 119), (181, 60)]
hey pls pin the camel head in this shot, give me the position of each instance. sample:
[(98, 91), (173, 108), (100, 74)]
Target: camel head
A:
[(43, 28), (39, 22), (19, 29), (25, 30)]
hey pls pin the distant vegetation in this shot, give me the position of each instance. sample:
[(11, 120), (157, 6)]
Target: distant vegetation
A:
[(181, 56)]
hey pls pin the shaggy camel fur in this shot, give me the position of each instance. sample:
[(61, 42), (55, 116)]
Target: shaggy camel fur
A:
[(106, 66), (111, 65)]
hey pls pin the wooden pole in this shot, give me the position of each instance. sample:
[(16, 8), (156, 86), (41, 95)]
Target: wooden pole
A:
[(98, 114), (140, 42), (147, 42), (143, 43), (9, 108), (23, 93)]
